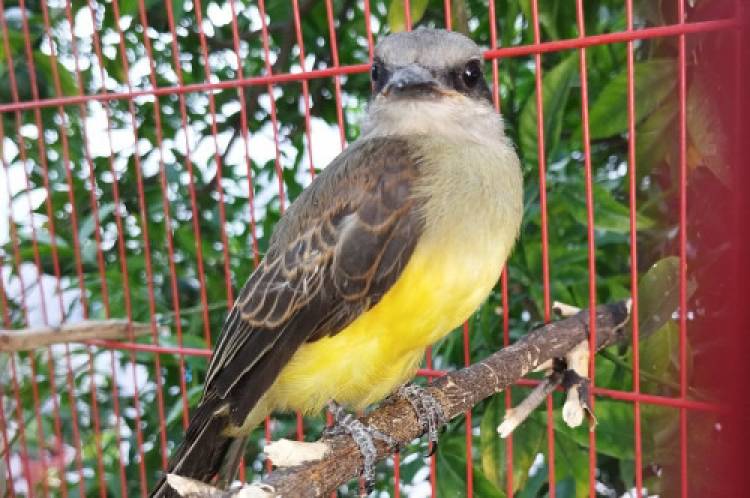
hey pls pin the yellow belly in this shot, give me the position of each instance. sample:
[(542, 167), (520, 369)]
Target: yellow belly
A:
[(438, 289)]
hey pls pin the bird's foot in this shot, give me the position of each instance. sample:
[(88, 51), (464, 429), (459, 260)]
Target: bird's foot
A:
[(428, 410), (364, 436)]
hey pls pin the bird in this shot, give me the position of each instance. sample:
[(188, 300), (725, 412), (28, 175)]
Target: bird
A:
[(391, 247)]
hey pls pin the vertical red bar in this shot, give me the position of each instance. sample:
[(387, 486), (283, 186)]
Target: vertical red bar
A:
[(20, 420), (336, 79), (124, 269), (634, 254), (504, 278), (469, 427), (217, 160), (149, 272), (196, 217), (6, 447), (248, 165), (542, 158), (304, 83), (682, 96), (120, 245), (97, 234), (37, 260), (590, 234)]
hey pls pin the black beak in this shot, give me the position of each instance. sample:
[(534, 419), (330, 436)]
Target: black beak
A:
[(410, 81)]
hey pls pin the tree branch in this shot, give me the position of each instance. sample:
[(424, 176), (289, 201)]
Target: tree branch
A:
[(457, 392), (32, 338)]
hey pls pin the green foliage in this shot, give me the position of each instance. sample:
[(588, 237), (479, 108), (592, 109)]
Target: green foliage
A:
[(147, 246)]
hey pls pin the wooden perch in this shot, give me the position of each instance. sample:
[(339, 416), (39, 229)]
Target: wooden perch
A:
[(28, 339), (457, 392)]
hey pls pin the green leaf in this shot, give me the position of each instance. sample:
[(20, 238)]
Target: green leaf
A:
[(654, 81), (571, 466), (492, 447), (397, 14), (527, 443), (659, 355), (68, 84), (651, 147), (175, 412), (659, 294), (556, 87), (548, 13), (614, 431), (88, 224), (452, 470), (609, 214)]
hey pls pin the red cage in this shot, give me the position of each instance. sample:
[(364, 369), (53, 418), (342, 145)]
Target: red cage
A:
[(35, 291)]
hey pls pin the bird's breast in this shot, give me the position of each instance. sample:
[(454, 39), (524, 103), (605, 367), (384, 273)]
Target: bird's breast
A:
[(469, 231)]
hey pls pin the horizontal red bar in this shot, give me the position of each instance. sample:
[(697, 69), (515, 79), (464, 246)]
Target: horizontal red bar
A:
[(535, 48), (150, 348), (428, 372), (643, 398), (192, 88), (610, 38)]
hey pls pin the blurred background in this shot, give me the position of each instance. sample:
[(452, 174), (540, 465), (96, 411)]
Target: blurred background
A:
[(148, 147)]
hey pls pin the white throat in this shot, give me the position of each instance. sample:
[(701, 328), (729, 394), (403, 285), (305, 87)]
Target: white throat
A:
[(455, 118)]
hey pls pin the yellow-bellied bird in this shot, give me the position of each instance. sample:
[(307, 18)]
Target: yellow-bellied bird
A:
[(390, 248)]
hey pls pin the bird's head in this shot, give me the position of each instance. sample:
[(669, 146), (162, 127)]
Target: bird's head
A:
[(427, 81)]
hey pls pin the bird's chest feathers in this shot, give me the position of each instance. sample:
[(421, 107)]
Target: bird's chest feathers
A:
[(471, 221)]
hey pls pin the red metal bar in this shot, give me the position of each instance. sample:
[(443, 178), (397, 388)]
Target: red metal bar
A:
[(272, 100), (336, 66), (304, 83), (147, 250), (218, 161), (196, 217), (121, 250), (504, 277), (248, 165), (469, 426), (6, 448), (634, 254), (37, 261), (590, 236), (542, 156), (503, 52), (97, 234), (22, 295)]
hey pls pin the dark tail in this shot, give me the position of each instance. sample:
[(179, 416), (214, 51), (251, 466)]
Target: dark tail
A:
[(205, 453)]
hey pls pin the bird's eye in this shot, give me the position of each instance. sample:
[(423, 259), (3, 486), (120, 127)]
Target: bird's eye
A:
[(472, 73), (375, 72)]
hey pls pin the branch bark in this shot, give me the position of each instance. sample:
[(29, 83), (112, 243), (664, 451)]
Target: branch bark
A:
[(32, 338), (457, 392)]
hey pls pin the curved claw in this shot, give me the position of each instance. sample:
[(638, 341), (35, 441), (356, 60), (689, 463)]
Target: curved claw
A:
[(364, 436), (428, 410)]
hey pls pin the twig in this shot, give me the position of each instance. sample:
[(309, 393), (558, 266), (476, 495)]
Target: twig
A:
[(33, 338), (514, 416), (456, 392)]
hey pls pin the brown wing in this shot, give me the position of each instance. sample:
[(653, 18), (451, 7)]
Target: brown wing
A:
[(333, 255)]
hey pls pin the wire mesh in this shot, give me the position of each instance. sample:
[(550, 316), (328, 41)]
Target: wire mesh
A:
[(66, 172)]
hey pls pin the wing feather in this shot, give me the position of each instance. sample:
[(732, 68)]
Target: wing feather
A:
[(335, 253)]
